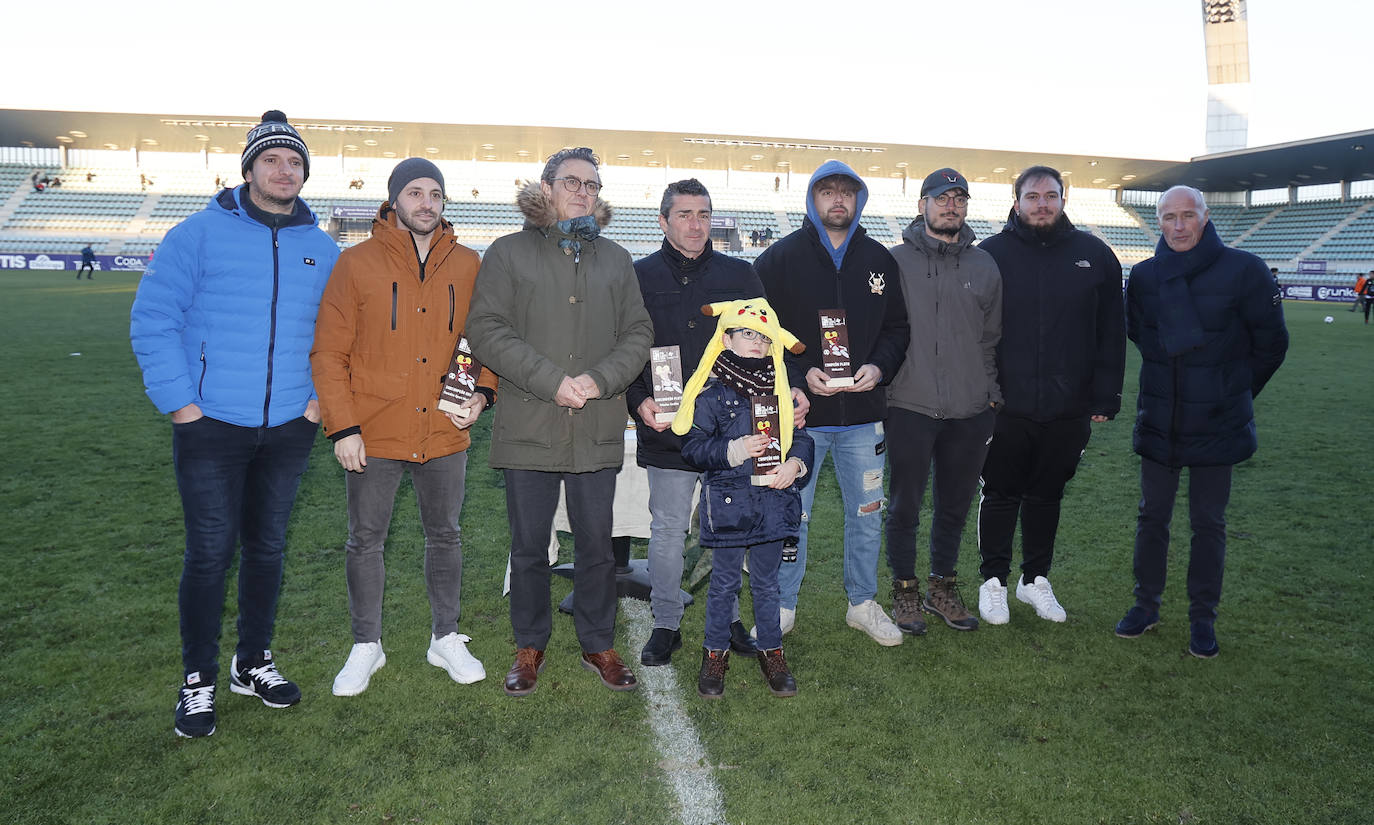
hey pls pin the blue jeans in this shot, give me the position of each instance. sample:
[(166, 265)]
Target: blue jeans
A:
[(238, 485), (722, 603), (1209, 490), (859, 469)]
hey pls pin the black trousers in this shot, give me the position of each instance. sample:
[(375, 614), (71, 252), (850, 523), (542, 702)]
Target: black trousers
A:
[(1027, 468), (1209, 490), (531, 498), (954, 449)]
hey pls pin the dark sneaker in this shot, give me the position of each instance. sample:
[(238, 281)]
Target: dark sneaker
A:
[(906, 606), (711, 679), (776, 674), (1136, 621), (740, 640), (195, 713), (659, 649), (263, 681), (944, 601), (1202, 641)]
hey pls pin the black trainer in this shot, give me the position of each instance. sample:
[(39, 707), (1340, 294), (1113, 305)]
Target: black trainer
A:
[(195, 713), (659, 649), (263, 681), (740, 640)]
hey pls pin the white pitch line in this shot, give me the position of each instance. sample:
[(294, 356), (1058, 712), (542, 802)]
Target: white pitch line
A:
[(684, 763)]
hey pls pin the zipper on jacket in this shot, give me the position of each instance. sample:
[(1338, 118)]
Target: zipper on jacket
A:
[(200, 387), (272, 327), (393, 306), (451, 307)]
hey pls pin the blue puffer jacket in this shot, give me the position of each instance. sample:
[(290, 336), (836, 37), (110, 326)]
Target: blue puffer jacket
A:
[(225, 314), (1196, 406), (733, 512)]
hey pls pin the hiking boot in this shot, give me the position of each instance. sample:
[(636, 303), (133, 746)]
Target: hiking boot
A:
[(1202, 641), (659, 649), (992, 602), (906, 606), (195, 713), (872, 619), (711, 679), (365, 659), (451, 654), (1136, 621), (944, 601), (1040, 595), (262, 680), (776, 674)]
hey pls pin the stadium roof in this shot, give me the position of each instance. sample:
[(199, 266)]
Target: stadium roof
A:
[(1320, 160)]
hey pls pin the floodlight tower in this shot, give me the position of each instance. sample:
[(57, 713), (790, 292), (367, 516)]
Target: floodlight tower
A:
[(1227, 34)]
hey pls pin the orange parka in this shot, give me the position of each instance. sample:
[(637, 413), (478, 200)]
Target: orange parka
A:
[(384, 339)]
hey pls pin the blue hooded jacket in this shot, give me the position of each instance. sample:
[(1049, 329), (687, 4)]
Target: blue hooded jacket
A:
[(224, 317)]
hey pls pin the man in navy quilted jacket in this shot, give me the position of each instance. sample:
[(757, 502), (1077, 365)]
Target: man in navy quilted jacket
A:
[(1208, 321), (222, 327)]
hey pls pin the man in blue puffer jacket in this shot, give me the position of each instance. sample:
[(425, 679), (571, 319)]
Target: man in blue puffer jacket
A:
[(222, 327), (1208, 321)]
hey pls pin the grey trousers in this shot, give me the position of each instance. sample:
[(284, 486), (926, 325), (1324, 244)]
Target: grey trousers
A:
[(371, 497), (670, 520)]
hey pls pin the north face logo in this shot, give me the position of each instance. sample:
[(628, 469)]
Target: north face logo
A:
[(1084, 264)]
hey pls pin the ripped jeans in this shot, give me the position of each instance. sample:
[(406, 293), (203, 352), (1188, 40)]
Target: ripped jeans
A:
[(857, 454)]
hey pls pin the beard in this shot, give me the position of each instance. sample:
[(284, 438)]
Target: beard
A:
[(415, 221), (948, 226), (833, 222)]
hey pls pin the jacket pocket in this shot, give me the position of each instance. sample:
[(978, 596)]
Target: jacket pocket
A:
[(727, 508), (529, 422)]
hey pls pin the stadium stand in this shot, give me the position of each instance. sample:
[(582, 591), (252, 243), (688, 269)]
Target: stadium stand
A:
[(125, 209)]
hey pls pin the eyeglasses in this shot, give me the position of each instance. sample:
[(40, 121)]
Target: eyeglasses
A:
[(947, 199), (751, 335), (573, 184)]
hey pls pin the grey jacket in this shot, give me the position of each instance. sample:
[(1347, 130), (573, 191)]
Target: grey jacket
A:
[(540, 314), (953, 295)]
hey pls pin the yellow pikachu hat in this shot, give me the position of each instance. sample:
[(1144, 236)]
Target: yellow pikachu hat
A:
[(750, 313)]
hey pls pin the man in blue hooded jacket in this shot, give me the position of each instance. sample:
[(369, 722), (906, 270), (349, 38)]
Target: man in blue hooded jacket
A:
[(1208, 321), (831, 263), (222, 326)]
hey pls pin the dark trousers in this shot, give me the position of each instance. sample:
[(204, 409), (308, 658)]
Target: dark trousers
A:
[(1209, 490), (87, 268), (1027, 468), (531, 498), (722, 596), (238, 485), (956, 449)]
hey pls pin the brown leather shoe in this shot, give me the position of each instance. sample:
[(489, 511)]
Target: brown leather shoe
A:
[(523, 675), (776, 673), (612, 671)]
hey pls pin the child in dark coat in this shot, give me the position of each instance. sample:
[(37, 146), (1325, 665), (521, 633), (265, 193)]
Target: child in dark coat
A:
[(743, 511)]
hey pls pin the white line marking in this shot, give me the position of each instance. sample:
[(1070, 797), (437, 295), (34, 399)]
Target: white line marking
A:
[(684, 763)]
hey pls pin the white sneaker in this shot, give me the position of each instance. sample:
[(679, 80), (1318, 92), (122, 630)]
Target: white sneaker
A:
[(1039, 595), (451, 654), (363, 660), (873, 620), (992, 602), (787, 619)]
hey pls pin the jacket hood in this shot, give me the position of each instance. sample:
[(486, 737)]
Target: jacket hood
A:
[(1063, 228), (231, 200), (539, 212), (835, 167), (915, 235)]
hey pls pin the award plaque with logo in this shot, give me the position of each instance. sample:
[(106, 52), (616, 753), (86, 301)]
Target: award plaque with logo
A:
[(460, 382), (835, 361), (766, 423)]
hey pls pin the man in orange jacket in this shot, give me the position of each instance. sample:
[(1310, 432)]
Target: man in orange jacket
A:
[(391, 316)]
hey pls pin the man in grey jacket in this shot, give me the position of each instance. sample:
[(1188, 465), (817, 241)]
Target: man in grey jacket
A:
[(941, 405)]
